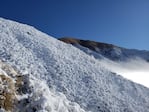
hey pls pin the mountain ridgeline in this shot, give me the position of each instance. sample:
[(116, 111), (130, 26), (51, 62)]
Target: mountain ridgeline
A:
[(108, 50), (58, 77)]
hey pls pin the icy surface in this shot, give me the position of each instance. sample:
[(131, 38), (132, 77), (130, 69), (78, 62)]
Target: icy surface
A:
[(68, 70)]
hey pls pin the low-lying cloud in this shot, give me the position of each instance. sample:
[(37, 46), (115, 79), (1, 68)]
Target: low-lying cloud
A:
[(135, 69)]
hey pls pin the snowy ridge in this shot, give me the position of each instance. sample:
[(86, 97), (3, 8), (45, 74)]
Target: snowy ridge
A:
[(68, 70)]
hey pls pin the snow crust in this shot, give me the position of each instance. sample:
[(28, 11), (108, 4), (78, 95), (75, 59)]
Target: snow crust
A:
[(134, 66), (40, 98), (46, 100), (71, 73)]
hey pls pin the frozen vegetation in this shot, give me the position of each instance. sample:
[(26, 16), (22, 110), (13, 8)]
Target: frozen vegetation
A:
[(51, 76)]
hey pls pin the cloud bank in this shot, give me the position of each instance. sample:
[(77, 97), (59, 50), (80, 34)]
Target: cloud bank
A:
[(136, 70)]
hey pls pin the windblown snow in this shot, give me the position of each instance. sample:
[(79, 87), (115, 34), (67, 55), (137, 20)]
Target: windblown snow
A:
[(57, 77)]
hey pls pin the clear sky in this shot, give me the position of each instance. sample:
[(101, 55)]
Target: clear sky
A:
[(121, 22)]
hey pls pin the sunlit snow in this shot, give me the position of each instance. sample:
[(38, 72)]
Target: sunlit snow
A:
[(84, 83), (135, 69), (138, 76)]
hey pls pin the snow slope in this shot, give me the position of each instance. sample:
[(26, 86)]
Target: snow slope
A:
[(37, 97), (50, 64), (130, 63)]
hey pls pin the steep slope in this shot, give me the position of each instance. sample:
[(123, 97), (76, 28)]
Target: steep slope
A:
[(66, 69), (20, 93), (130, 63)]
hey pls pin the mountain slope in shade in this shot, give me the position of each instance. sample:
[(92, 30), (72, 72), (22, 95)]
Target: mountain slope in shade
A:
[(108, 50), (80, 82)]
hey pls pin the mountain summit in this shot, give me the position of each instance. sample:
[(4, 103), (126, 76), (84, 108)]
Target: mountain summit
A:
[(42, 74)]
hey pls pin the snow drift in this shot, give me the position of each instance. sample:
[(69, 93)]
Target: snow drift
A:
[(80, 82)]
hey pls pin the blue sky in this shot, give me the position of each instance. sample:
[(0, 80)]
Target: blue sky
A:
[(121, 22)]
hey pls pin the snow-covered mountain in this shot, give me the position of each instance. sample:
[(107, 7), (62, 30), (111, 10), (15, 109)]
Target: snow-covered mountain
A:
[(41, 74), (109, 51), (131, 63)]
